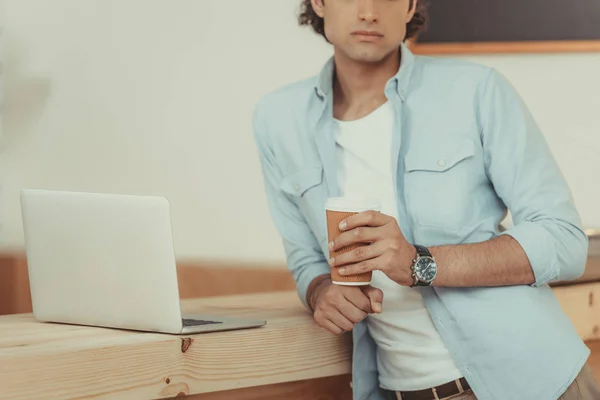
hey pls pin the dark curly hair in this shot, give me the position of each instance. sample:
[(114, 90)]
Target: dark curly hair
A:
[(417, 24)]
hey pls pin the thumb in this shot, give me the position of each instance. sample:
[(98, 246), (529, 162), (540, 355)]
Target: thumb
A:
[(375, 297)]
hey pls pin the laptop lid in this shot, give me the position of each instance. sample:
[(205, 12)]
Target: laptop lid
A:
[(101, 260)]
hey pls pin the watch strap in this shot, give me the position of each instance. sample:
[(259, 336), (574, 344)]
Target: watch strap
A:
[(422, 251)]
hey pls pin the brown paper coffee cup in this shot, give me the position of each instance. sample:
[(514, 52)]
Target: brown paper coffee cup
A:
[(337, 209)]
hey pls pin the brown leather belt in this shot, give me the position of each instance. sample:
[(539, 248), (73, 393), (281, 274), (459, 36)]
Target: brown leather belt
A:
[(439, 392)]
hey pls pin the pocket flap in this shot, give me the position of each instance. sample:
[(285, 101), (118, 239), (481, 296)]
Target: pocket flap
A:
[(440, 157), (300, 181)]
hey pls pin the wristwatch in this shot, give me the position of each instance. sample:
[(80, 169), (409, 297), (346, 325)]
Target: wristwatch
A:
[(424, 268)]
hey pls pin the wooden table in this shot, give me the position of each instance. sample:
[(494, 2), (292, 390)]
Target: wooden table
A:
[(40, 360), (289, 355)]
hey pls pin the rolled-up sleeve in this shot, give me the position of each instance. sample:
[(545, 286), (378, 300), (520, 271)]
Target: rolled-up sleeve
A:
[(304, 256), (525, 175)]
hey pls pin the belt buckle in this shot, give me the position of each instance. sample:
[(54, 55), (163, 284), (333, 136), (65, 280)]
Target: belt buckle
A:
[(458, 384), (461, 390)]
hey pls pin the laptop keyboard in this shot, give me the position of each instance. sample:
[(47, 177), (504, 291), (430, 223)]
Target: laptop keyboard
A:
[(197, 322)]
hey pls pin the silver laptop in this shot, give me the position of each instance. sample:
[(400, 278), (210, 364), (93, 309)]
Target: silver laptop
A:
[(107, 260)]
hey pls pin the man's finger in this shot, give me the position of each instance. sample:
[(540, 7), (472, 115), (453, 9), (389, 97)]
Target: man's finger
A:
[(359, 254), (365, 218), (341, 321), (353, 313), (359, 299), (331, 327), (361, 234), (362, 267), (375, 297)]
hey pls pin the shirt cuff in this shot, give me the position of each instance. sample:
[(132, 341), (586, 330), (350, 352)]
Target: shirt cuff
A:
[(538, 245), (306, 277)]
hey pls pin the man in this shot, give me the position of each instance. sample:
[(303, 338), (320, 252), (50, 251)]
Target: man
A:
[(448, 148)]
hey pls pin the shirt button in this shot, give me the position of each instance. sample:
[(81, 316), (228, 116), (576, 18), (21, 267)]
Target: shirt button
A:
[(297, 188), (442, 162)]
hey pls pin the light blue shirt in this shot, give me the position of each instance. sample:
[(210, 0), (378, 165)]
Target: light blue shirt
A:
[(465, 150)]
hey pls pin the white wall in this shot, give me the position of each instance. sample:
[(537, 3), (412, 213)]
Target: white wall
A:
[(155, 97)]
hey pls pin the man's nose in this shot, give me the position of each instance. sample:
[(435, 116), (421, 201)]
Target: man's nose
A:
[(366, 11)]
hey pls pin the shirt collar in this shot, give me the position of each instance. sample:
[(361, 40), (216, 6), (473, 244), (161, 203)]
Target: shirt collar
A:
[(324, 85)]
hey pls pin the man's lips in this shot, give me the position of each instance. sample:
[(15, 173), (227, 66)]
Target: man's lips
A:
[(367, 33)]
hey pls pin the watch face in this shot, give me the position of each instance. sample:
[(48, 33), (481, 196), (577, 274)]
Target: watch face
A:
[(426, 269)]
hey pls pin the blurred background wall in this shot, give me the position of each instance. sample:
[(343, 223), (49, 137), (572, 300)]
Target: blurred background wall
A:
[(155, 97)]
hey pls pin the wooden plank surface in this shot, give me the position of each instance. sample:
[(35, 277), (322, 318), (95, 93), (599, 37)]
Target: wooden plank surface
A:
[(196, 278), (57, 361), (332, 388), (63, 361), (14, 284), (204, 278), (566, 46), (582, 305), (217, 278)]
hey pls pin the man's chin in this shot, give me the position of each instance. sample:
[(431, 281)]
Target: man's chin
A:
[(369, 57)]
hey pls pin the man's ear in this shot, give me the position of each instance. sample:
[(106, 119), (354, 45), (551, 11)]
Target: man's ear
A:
[(318, 6), (412, 10)]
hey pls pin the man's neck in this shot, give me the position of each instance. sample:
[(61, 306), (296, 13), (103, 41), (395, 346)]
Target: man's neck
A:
[(359, 88)]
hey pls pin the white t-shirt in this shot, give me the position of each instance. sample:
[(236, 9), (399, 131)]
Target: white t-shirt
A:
[(410, 351)]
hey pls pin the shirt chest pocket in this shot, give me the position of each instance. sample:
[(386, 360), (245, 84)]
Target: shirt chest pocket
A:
[(437, 184), (306, 187)]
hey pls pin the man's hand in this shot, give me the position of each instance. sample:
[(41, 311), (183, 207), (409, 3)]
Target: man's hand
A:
[(337, 308), (388, 252)]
